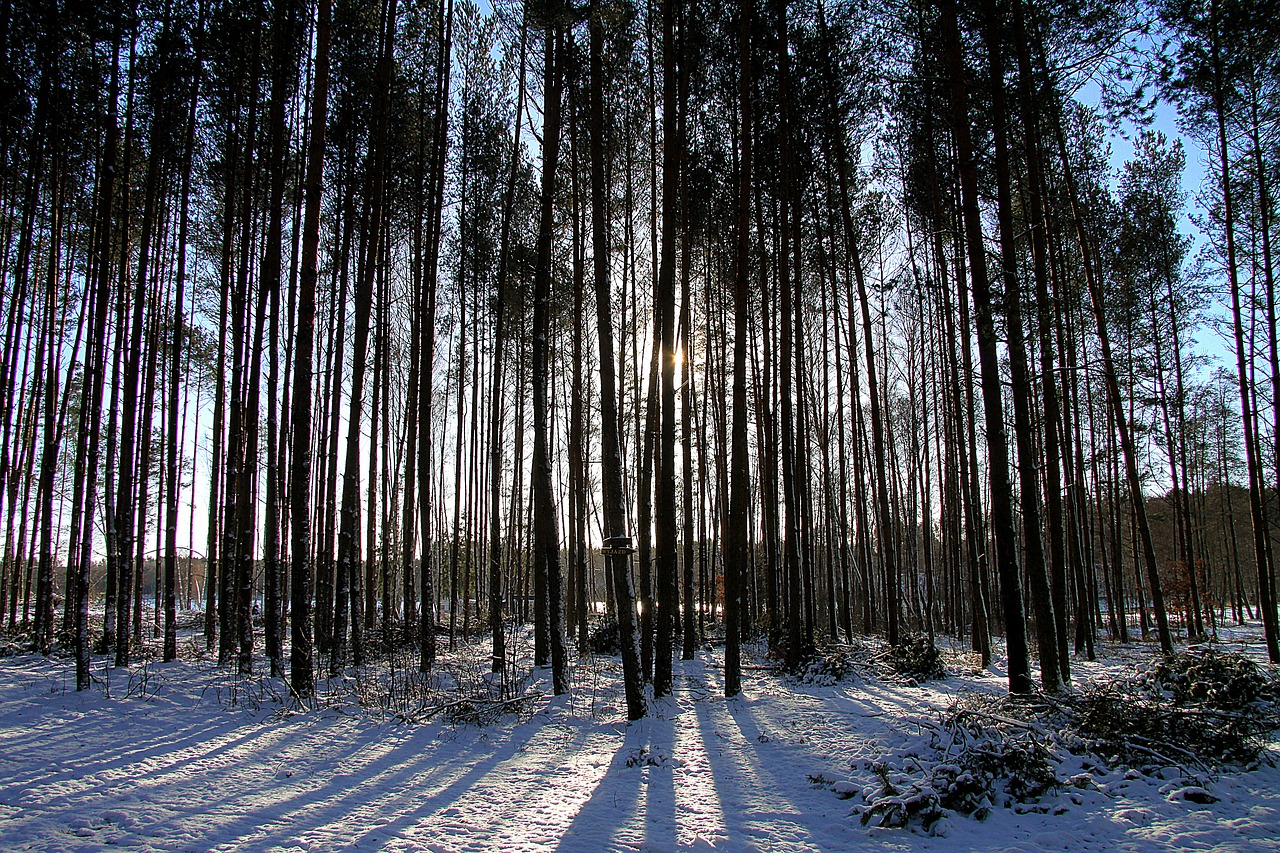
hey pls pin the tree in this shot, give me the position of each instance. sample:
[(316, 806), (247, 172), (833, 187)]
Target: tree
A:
[(546, 537), (737, 554), (998, 449), (301, 648), (611, 467), (1215, 50)]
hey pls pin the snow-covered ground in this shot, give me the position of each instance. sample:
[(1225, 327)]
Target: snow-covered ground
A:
[(183, 757)]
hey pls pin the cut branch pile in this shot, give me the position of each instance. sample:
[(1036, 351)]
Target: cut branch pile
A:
[(915, 659), (1190, 716)]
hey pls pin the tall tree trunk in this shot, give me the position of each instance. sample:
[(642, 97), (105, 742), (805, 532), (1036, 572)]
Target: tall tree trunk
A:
[(998, 455), (611, 458), (1020, 386), (736, 519), (497, 436), (302, 649), (284, 42), (349, 600), (545, 532), (125, 509), (665, 562), (170, 651), (1116, 404), (1053, 518), (95, 374), (688, 625), (43, 628), (787, 349), (886, 549), (440, 143)]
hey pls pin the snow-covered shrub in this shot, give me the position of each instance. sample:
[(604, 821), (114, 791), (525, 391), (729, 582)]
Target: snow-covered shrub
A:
[(978, 758), (989, 754), (1202, 706), (1019, 767), (479, 711), (643, 755), (918, 658), (1218, 679), (826, 668), (605, 639), (1177, 722), (901, 801)]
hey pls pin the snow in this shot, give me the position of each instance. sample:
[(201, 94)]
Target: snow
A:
[(183, 756)]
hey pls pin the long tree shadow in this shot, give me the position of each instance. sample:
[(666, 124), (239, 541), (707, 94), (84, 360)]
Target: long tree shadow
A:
[(196, 785), (346, 807), (660, 826), (210, 778), (197, 803), (407, 788), (616, 816), (758, 813), (419, 808), (91, 767), (165, 732)]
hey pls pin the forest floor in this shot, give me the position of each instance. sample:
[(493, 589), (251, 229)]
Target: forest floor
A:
[(184, 756)]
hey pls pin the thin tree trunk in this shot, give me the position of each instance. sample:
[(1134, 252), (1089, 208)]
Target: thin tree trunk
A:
[(1028, 459), (1001, 491), (497, 436), (546, 534), (610, 418), (302, 650)]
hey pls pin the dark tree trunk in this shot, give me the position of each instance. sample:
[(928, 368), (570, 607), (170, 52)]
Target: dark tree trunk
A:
[(611, 458), (998, 454), (736, 526), (1020, 386), (545, 527), (302, 648), (497, 436)]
